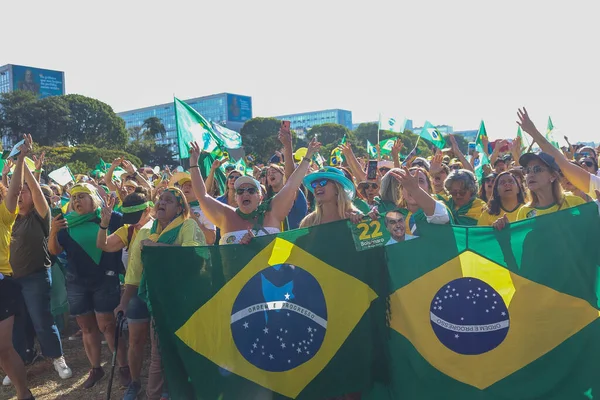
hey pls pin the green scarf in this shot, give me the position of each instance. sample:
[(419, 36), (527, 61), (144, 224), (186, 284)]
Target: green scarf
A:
[(383, 206), (462, 215), (194, 203), (84, 231), (258, 214), (158, 235)]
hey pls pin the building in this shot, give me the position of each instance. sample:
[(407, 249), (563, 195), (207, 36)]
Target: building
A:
[(469, 135), (42, 82), (227, 109), (302, 122), (409, 124), (443, 129)]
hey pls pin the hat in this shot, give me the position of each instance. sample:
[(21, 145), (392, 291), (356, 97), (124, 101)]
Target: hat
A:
[(180, 178), (301, 152), (543, 157), (421, 160), (490, 176), (85, 188), (385, 164), (333, 174), (130, 183), (245, 180)]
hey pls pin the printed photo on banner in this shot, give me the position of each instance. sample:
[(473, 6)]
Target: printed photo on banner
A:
[(388, 229)]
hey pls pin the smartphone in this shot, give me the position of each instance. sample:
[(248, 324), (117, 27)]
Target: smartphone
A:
[(55, 211), (471, 148), (285, 126), (372, 169)]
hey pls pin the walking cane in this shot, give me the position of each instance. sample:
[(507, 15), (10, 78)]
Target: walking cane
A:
[(118, 332)]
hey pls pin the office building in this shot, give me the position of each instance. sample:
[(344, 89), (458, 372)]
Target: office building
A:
[(443, 129), (469, 135), (302, 122), (227, 109), (408, 127)]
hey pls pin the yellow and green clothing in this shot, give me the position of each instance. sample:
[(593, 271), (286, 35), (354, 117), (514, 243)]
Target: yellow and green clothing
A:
[(530, 211), (7, 220), (487, 219), (469, 213)]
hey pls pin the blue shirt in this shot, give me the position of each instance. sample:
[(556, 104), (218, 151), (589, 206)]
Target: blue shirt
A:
[(297, 213)]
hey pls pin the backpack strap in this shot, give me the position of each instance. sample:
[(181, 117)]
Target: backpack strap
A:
[(130, 231)]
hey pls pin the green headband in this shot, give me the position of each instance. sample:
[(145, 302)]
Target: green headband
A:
[(139, 207)]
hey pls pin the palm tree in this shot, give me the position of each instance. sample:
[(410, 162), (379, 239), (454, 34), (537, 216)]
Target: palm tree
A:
[(152, 128)]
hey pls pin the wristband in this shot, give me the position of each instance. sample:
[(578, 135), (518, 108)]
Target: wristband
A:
[(38, 171), (103, 228), (306, 159), (193, 166)]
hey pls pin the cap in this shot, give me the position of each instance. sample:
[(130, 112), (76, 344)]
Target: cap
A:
[(246, 180), (543, 157), (422, 162)]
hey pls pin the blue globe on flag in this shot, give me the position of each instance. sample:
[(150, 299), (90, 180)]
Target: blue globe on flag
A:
[(279, 318), (469, 317)]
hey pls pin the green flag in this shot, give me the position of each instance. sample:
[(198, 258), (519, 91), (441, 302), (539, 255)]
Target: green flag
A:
[(483, 157), (226, 137), (431, 133), (205, 163), (386, 145), (371, 150), (335, 158), (524, 139), (191, 126), (291, 315), (319, 160), (489, 316), (550, 134)]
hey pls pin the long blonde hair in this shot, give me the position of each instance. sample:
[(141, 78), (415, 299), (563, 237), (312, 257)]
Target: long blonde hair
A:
[(390, 189), (344, 205), (558, 194)]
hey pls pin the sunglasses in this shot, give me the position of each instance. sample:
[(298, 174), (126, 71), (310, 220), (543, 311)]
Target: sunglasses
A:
[(371, 186), (458, 193), (384, 170), (455, 167), (587, 164), (250, 190), (234, 177), (536, 169), (321, 183)]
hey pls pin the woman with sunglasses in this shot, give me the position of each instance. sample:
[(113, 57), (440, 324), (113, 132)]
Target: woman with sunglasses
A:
[(487, 187), (543, 180), (507, 198), (250, 218), (368, 191), (463, 202)]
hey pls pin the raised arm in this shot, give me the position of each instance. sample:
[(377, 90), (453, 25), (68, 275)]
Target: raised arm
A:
[(515, 150), (396, 148), (410, 182), (282, 202), (210, 179), (456, 150), (496, 151), (16, 183), (39, 163), (131, 171), (353, 163), (5, 171), (112, 243), (39, 201), (215, 211), (109, 175), (288, 153), (576, 175)]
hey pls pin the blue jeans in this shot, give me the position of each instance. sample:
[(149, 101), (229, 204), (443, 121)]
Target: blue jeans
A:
[(36, 293)]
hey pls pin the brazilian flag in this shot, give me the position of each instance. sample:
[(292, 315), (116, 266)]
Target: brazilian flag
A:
[(294, 315), (497, 315)]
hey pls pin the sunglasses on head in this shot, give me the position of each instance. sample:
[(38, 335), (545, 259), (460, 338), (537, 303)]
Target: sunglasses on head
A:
[(455, 193), (536, 169), (320, 183), (250, 190), (371, 186), (587, 163)]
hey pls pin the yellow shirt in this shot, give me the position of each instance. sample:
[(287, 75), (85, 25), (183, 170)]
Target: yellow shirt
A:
[(7, 220), (487, 219), (530, 212), (189, 235)]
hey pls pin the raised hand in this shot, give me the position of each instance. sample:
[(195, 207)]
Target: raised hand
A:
[(346, 149), (39, 161), (7, 167), (194, 153), (526, 124), (26, 147), (436, 163), (107, 210), (408, 180), (313, 147), (397, 147), (285, 137), (128, 166)]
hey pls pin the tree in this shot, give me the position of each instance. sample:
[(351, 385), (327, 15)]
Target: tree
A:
[(260, 137), (153, 128), (463, 144), (83, 158), (16, 113), (94, 122), (368, 131), (330, 136), (151, 153)]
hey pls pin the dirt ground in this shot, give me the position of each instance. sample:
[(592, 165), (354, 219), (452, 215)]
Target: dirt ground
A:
[(45, 383)]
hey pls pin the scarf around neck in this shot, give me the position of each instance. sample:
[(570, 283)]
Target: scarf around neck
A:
[(83, 229)]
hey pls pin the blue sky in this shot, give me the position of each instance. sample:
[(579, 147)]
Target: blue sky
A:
[(448, 62)]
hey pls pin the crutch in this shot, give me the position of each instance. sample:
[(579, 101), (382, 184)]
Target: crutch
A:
[(118, 333)]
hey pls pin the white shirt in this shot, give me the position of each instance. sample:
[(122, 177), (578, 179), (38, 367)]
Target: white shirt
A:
[(406, 237), (440, 214)]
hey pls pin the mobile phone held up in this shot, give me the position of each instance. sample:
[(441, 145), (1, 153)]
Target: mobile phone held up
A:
[(285, 126), (372, 169), (55, 212)]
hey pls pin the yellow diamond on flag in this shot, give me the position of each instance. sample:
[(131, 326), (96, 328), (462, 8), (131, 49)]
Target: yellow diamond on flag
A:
[(280, 320), (477, 322)]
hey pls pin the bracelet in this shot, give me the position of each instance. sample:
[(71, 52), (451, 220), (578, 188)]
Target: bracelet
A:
[(193, 166), (103, 227), (306, 159), (38, 171)]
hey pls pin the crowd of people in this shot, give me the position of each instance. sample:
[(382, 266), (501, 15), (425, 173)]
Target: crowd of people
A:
[(93, 230)]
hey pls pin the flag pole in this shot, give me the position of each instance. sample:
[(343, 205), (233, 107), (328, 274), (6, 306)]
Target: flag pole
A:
[(378, 147)]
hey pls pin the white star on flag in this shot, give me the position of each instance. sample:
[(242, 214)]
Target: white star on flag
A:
[(287, 296), (246, 325), (266, 330)]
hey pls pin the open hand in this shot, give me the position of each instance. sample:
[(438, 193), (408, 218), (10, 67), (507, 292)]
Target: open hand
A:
[(526, 124), (194, 153), (313, 147), (39, 161)]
